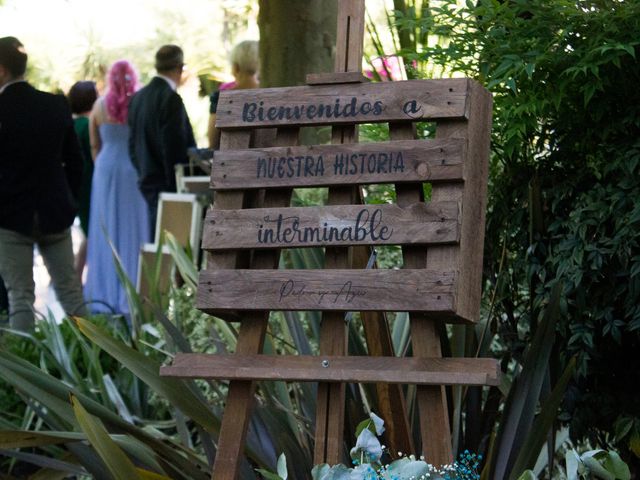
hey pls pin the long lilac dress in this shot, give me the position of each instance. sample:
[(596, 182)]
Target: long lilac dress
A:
[(118, 213)]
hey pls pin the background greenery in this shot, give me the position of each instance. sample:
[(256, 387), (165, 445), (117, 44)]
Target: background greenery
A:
[(561, 307), (563, 185)]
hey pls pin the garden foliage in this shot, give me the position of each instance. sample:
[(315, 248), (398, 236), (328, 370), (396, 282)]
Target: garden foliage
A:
[(561, 294), (564, 184)]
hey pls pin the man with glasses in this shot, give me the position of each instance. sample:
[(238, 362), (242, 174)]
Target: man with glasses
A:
[(160, 129)]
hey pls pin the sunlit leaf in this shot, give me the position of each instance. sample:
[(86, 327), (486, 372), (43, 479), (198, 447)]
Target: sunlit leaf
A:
[(114, 458)]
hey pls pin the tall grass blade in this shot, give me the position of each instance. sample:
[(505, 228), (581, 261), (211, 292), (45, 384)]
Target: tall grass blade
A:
[(114, 458), (45, 462), (183, 262), (145, 368), (53, 406), (27, 439), (520, 407), (537, 436)]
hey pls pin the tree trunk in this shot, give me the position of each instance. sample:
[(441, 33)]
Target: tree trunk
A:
[(297, 37)]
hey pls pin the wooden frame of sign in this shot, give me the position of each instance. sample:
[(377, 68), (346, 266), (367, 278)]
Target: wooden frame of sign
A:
[(441, 239)]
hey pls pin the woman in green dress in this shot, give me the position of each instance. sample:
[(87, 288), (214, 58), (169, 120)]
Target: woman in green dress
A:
[(82, 96)]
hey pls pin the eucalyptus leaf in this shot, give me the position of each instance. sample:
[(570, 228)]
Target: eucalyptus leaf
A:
[(282, 466), (337, 472), (407, 468), (378, 423)]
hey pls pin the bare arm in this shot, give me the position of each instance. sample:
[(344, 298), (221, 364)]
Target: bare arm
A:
[(94, 132)]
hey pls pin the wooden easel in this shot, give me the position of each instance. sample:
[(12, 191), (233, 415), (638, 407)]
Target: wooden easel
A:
[(441, 243)]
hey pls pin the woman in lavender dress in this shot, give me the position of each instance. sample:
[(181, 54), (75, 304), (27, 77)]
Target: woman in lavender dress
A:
[(118, 216)]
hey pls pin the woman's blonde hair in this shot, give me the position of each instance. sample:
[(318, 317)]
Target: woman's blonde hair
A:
[(245, 56)]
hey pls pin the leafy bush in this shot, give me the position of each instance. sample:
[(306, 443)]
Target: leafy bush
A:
[(564, 183)]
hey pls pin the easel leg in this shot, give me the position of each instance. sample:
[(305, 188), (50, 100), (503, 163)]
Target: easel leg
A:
[(432, 400), (237, 412), (253, 329), (333, 336)]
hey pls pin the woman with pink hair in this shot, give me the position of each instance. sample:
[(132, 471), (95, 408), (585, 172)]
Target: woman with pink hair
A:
[(118, 221)]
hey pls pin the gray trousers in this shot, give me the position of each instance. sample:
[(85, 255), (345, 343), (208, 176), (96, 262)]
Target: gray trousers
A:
[(16, 269)]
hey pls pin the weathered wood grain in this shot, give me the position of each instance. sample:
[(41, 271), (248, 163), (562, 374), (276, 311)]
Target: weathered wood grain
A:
[(360, 369), (330, 78), (240, 396), (328, 165), (330, 397), (384, 290), (344, 225), (467, 259), (425, 337), (413, 100)]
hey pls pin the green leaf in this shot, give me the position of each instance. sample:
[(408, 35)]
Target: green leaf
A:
[(114, 458), (147, 475), (622, 426), (614, 464), (53, 395), (268, 475), (537, 436), (145, 368), (597, 469), (528, 475), (523, 397), (26, 438), (362, 425), (185, 264), (45, 462)]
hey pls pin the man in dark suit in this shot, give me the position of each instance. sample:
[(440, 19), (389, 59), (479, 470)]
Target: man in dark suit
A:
[(40, 170), (160, 129)]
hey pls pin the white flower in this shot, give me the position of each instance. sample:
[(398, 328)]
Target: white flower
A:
[(367, 449)]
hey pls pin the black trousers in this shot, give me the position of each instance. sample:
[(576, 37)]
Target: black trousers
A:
[(151, 196), (4, 300)]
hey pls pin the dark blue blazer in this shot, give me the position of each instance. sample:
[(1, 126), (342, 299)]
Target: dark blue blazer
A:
[(40, 160), (160, 135)]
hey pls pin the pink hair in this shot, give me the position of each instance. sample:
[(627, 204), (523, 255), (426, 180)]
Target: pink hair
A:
[(122, 84)]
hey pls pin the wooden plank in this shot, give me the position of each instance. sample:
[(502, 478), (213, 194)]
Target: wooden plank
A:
[(425, 339), (332, 78), (330, 399), (233, 433), (349, 36), (344, 225), (240, 396), (328, 165), (391, 404), (411, 100), (327, 368), (327, 290), (473, 197)]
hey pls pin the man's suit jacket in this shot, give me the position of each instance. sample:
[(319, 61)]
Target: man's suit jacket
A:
[(160, 135), (40, 160)]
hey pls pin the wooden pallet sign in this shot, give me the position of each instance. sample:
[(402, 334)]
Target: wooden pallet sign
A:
[(441, 238)]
